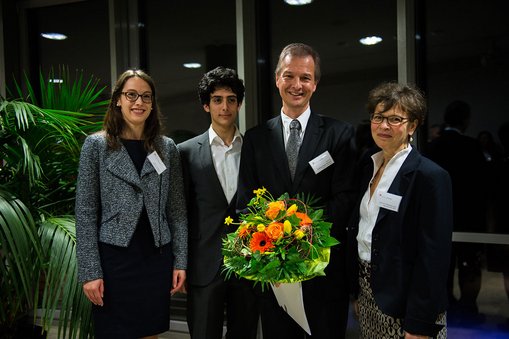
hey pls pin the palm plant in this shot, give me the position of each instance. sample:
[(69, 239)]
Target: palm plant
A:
[(40, 141)]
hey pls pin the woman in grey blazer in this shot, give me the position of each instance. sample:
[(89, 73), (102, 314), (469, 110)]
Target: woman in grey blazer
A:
[(131, 225)]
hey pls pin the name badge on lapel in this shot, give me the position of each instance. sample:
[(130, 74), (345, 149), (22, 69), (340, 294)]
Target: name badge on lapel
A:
[(321, 162), (389, 201), (156, 162)]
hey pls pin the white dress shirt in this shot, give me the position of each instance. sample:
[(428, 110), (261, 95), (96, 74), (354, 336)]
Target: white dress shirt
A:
[(226, 161), (303, 119), (369, 208)]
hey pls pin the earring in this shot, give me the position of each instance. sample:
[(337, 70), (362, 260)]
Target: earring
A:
[(411, 139)]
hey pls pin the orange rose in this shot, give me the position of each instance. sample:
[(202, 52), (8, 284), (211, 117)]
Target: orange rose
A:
[(243, 231), (275, 230), (274, 208), (304, 218)]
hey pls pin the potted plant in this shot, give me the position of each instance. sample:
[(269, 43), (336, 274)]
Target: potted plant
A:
[(40, 141)]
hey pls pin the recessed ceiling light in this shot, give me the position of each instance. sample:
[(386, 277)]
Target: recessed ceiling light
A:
[(298, 2), (370, 40), (192, 65), (54, 36)]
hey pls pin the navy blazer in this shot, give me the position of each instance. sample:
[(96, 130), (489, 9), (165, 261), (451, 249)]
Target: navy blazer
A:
[(110, 196), (207, 209), (264, 163), (411, 247)]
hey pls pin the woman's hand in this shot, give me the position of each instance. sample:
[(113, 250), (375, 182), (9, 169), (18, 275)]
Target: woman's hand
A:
[(94, 291), (179, 278), (415, 336), (355, 305)]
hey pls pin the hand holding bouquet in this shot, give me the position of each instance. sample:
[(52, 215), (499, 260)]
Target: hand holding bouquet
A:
[(280, 240)]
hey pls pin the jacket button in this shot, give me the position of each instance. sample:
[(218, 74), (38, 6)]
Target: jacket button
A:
[(375, 253)]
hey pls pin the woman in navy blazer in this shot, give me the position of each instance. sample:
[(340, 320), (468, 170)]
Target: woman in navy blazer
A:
[(131, 225), (402, 230)]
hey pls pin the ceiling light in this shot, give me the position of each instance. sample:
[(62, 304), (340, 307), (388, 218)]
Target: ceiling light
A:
[(192, 65), (298, 2), (370, 40), (54, 36)]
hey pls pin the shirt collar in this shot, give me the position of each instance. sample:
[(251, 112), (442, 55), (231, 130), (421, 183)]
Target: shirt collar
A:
[(378, 158), (303, 119), (214, 137)]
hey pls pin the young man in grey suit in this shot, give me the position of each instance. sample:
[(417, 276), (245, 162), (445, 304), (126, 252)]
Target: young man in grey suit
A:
[(210, 165), (325, 166)]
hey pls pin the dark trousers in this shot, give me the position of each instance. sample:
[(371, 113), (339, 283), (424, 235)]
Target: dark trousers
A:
[(467, 258), (206, 309)]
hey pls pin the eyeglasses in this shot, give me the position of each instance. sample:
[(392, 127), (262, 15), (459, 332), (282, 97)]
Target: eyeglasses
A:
[(393, 120), (133, 96)]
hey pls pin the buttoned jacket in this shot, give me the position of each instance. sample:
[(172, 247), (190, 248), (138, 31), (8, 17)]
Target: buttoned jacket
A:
[(110, 197), (411, 246), (264, 163), (207, 208)]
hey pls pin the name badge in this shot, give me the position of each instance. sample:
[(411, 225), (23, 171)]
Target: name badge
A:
[(156, 162), (389, 201), (321, 162)]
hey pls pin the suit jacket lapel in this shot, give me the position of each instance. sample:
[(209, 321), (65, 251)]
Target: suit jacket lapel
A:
[(207, 163), (276, 141), (402, 181)]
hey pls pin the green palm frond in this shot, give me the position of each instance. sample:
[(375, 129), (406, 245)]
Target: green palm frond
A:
[(20, 257), (62, 290), (40, 140)]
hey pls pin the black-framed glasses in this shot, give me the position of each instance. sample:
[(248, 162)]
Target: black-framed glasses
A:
[(393, 120), (133, 96)]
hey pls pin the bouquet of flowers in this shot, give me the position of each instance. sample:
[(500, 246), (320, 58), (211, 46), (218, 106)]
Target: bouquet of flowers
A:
[(281, 240)]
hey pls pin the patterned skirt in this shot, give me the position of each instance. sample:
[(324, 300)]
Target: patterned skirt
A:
[(373, 322)]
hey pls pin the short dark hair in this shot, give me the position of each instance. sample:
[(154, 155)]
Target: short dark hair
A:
[(220, 77), (392, 94), (300, 50), (114, 123)]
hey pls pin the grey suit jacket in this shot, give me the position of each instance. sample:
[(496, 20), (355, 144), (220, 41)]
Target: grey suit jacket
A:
[(110, 196), (207, 208)]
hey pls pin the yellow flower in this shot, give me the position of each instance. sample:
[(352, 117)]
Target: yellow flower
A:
[(259, 192), (260, 227), (228, 220), (298, 234), (291, 210), (287, 227)]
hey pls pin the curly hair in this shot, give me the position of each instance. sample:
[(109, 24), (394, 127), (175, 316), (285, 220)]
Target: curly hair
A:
[(220, 77)]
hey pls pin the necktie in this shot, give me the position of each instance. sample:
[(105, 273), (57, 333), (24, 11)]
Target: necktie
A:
[(293, 145)]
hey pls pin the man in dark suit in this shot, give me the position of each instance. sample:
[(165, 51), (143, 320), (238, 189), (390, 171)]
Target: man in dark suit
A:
[(210, 164), (463, 158), (324, 169)]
